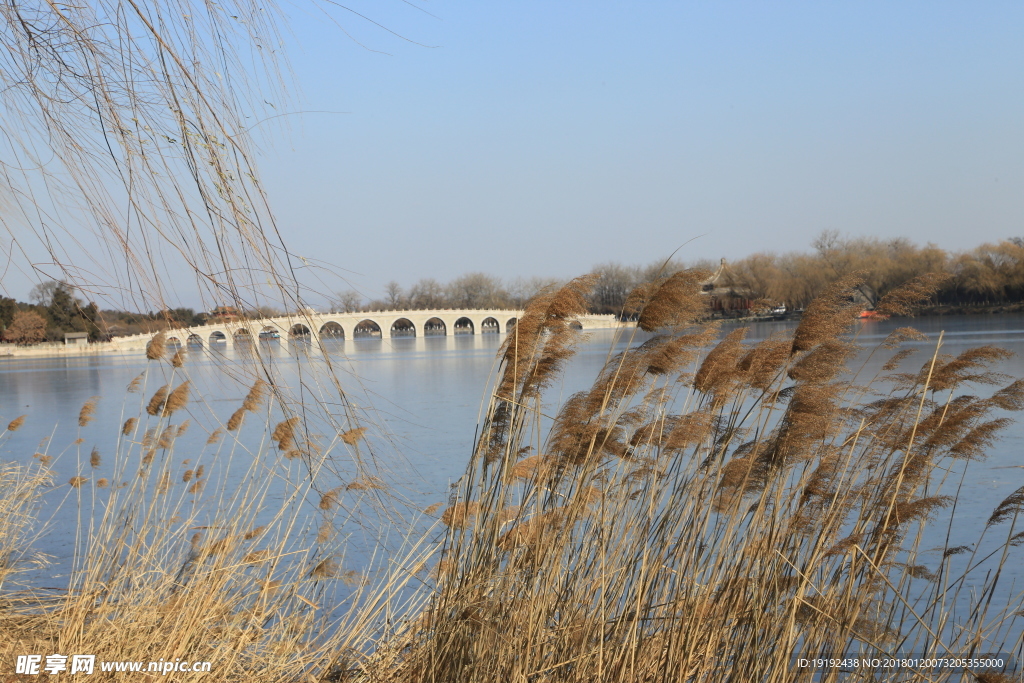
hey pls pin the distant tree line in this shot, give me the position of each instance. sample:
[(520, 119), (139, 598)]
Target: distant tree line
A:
[(55, 309), (991, 274)]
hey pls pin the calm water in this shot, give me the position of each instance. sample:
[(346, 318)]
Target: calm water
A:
[(426, 392)]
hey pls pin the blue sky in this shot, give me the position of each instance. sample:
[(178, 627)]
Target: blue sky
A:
[(540, 138)]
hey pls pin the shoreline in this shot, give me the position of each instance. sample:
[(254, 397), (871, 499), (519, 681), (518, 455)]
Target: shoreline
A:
[(135, 345)]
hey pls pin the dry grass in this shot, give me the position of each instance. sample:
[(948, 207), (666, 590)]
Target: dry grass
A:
[(715, 518)]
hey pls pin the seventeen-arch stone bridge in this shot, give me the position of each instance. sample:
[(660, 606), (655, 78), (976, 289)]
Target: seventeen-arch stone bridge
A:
[(314, 327)]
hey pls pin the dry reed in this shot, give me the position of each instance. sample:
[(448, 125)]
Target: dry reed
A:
[(15, 424), (158, 400), (86, 414), (156, 348), (353, 436), (177, 399)]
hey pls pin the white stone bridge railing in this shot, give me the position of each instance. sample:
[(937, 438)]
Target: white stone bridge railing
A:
[(312, 327)]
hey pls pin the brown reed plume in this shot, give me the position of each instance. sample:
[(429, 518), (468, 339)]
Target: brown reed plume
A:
[(903, 299), (86, 414), (284, 433), (102, 483), (674, 301), (76, 482), (94, 457), (178, 359), (129, 425), (183, 428), (167, 437), (254, 399), (365, 484), (329, 500), (234, 422), (15, 424), (214, 436), (353, 436), (158, 400), (156, 348), (177, 399), (136, 383), (829, 315)]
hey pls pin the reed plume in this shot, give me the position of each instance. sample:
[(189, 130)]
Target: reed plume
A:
[(903, 299), (136, 383), (255, 397), (94, 457), (829, 315), (157, 402), (102, 483), (177, 399), (178, 359), (183, 428), (86, 414), (364, 484), (15, 424), (156, 348), (77, 482), (329, 500), (234, 422), (214, 436), (674, 301), (353, 436), (461, 514), (129, 425), (325, 569), (284, 433), (167, 437)]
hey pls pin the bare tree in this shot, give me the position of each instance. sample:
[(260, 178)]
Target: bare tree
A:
[(348, 301), (393, 293), (427, 293), (477, 290)]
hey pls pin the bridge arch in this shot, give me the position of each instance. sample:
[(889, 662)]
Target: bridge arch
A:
[(269, 333), (300, 331), (367, 329), (490, 326), (217, 337), (403, 327), (575, 325), (464, 326), (510, 324), (174, 341), (242, 336), (333, 331), (194, 340), (435, 327)]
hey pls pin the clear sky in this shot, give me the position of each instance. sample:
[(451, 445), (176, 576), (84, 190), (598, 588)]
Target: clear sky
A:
[(541, 138)]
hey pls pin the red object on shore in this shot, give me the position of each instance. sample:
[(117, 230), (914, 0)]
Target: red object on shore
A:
[(871, 315)]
